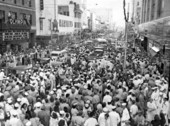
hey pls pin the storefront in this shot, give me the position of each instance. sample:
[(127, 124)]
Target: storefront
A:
[(15, 37), (157, 34)]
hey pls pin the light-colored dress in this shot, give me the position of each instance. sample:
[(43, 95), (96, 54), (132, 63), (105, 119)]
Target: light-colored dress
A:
[(151, 112)]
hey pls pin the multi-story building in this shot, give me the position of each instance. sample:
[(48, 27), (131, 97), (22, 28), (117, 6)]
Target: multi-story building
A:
[(17, 24), (58, 20), (105, 14), (136, 6), (154, 26)]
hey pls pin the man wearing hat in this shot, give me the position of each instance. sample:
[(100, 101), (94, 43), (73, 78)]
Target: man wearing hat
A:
[(14, 120), (125, 115), (9, 105), (104, 118), (16, 110), (114, 117), (24, 99), (91, 121), (165, 107), (44, 116)]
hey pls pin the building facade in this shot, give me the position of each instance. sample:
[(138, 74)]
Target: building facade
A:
[(154, 27), (58, 20), (17, 24), (105, 15)]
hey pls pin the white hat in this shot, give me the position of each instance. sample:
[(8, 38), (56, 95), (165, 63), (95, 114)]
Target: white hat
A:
[(154, 87), (113, 107), (54, 89), (64, 88), (28, 123), (62, 112), (9, 100), (1, 94), (16, 105), (18, 99), (51, 92), (38, 104), (105, 109), (164, 96), (123, 104), (160, 93), (26, 93), (14, 113)]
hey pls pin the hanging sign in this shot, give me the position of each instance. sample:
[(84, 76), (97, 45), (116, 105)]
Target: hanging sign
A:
[(15, 35)]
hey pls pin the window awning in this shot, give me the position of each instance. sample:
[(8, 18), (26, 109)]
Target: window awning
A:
[(155, 49)]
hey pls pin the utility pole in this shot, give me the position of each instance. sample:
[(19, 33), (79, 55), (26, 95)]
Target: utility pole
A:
[(126, 34), (125, 47)]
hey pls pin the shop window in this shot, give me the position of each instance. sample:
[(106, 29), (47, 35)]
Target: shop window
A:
[(23, 2), (41, 24), (2, 15), (13, 15)]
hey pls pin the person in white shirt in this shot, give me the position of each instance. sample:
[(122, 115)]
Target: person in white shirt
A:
[(114, 117), (133, 109), (104, 119), (91, 121), (9, 105), (14, 120), (125, 115), (107, 98), (151, 110), (24, 99), (165, 107)]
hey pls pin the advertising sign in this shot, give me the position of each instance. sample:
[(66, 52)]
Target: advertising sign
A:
[(11, 35)]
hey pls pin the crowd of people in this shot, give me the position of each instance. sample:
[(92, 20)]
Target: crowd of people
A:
[(13, 58), (82, 92)]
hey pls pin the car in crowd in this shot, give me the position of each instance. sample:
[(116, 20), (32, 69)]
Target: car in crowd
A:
[(97, 53)]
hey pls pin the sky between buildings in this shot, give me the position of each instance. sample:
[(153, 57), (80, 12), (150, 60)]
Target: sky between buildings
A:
[(115, 5)]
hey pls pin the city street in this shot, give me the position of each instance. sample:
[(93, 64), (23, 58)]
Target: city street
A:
[(84, 63)]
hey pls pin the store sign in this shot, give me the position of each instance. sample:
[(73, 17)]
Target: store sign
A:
[(15, 35)]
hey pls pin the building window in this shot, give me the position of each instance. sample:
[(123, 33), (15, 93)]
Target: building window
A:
[(77, 25), (41, 24), (23, 2), (159, 8), (15, 1), (50, 26), (41, 4), (13, 15), (138, 3), (64, 23), (63, 10), (2, 15), (153, 10), (30, 4), (148, 10), (29, 18)]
